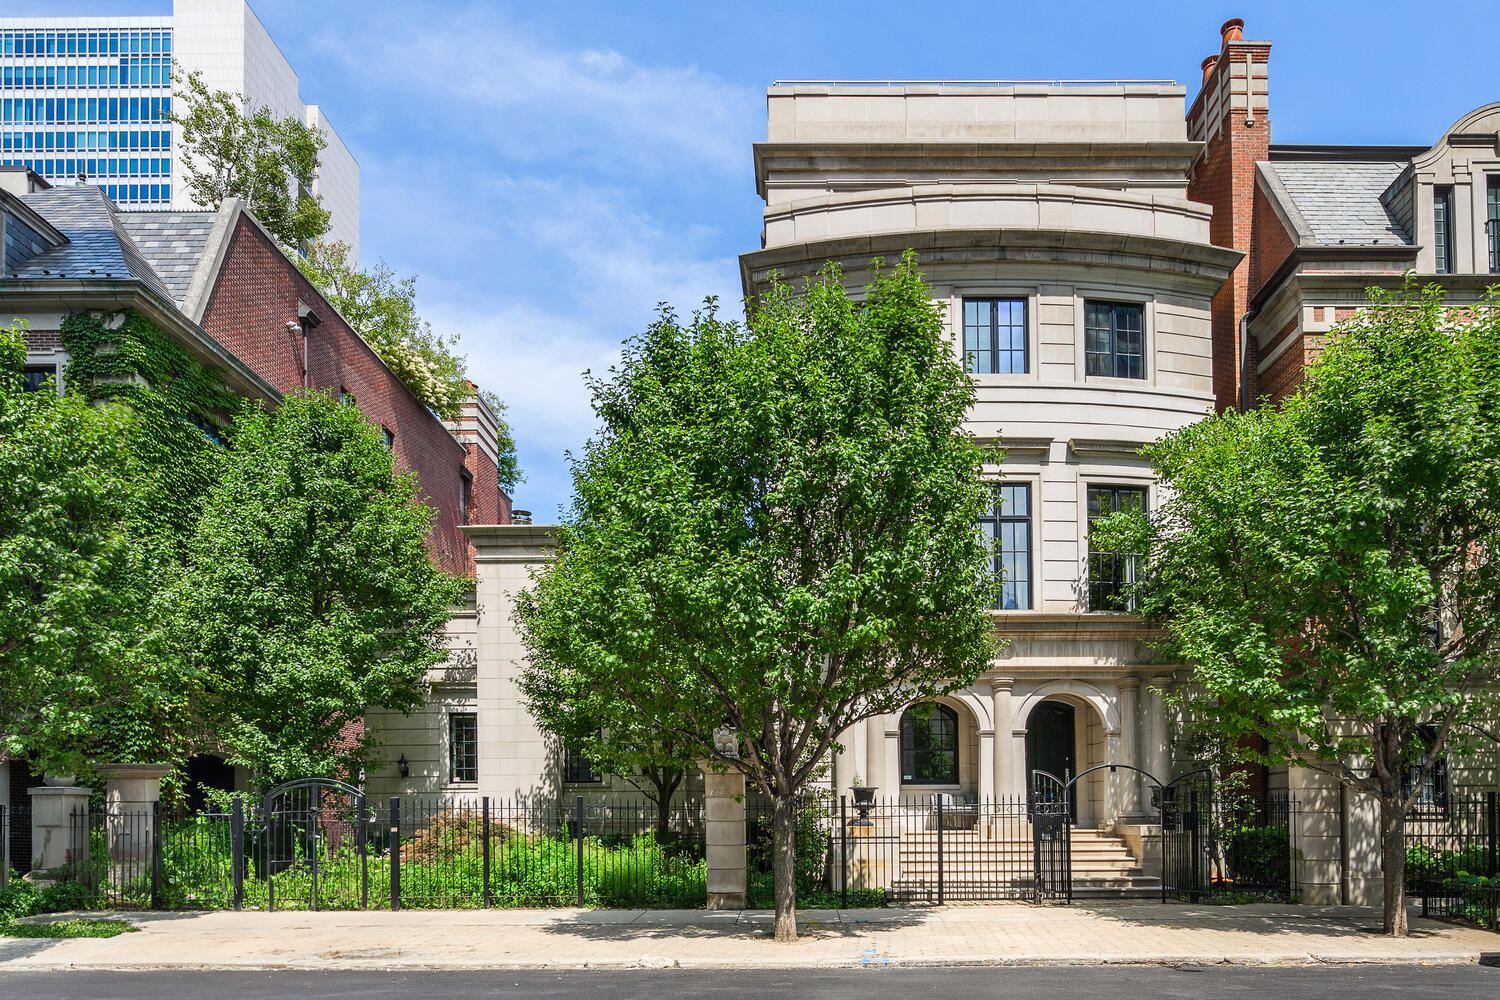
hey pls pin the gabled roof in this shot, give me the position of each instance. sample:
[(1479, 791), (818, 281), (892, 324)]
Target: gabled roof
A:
[(97, 246), (1338, 203), (173, 243)]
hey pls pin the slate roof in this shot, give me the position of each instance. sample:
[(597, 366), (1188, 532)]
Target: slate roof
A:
[(1340, 201), (98, 245), (173, 243)]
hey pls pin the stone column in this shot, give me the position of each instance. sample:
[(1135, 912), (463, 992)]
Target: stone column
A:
[(1129, 748), (1005, 767), (843, 762), (56, 813), (131, 792), (1156, 750), (893, 754), (724, 837), (875, 756)]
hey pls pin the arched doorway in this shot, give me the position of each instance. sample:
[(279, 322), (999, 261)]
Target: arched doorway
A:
[(1052, 742)]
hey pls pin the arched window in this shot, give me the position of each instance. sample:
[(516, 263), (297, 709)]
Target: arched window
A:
[(929, 745)]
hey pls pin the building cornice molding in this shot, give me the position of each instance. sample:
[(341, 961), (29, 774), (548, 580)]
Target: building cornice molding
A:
[(1200, 263)]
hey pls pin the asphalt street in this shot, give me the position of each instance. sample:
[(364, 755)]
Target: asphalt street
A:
[(1112, 982)]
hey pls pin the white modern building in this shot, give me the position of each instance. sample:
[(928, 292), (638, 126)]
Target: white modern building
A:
[(86, 95)]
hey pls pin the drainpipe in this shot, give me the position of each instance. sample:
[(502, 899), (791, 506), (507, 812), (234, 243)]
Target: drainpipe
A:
[(1244, 357)]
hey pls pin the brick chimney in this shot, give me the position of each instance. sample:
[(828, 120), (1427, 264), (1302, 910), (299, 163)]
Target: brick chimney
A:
[(477, 430), (1231, 116)]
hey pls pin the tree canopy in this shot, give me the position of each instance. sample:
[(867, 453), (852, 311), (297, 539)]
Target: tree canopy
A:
[(310, 595), (232, 151), (1328, 565), (773, 535)]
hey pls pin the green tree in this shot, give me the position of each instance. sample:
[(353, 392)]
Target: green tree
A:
[(72, 578), (311, 594), (615, 738), (773, 535), (230, 151), (1329, 566)]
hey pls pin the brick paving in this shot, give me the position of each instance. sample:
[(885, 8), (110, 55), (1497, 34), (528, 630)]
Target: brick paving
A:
[(1121, 933)]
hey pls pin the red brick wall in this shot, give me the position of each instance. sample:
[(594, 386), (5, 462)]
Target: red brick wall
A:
[(1285, 372), (1225, 179), (1271, 244), (256, 295)]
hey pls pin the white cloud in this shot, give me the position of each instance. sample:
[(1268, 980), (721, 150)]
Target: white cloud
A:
[(545, 93)]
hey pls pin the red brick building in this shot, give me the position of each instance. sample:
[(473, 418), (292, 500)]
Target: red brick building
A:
[(1320, 224), (218, 283)]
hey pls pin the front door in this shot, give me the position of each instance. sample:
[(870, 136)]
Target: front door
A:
[(1050, 744)]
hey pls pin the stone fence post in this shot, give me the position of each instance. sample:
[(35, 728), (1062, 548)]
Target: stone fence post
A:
[(724, 837), (56, 811), (131, 792)]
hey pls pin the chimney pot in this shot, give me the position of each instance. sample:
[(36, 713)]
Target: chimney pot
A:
[(1208, 67), (1232, 30), (520, 516)]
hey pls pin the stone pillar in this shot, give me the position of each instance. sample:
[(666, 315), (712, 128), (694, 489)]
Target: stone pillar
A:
[(875, 756), (1318, 843), (131, 792), (893, 754), (514, 757), (1003, 745), (724, 837), (843, 762), (56, 813), (1156, 749), (986, 784), (1129, 784)]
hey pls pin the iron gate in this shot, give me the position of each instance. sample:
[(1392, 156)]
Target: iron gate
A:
[(1187, 841), (1052, 851), (318, 829)]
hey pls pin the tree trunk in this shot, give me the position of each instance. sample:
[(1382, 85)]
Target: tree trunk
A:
[(1393, 862), (663, 816), (784, 866)]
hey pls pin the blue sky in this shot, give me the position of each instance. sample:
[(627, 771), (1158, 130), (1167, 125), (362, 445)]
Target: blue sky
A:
[(553, 171)]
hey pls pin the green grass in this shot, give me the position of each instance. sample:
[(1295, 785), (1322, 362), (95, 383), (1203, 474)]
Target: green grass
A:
[(68, 929)]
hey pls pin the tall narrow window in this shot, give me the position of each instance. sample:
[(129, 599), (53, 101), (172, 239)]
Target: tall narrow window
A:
[(465, 495), (1442, 229), (1112, 573), (929, 745), (1492, 221), (389, 437), (1006, 529), (995, 336), (1114, 339), (463, 746)]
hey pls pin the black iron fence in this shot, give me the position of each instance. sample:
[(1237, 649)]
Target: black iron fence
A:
[(1453, 858), (1217, 846), (324, 847), (937, 849)]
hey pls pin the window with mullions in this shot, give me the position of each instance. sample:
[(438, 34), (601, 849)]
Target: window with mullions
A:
[(463, 746), (1114, 339), (995, 336), (1442, 229), (1492, 221), (577, 768), (1006, 530), (38, 377), (1432, 791), (929, 745), (1112, 573)]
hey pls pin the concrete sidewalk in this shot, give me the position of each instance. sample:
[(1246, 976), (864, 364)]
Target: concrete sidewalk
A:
[(1082, 934)]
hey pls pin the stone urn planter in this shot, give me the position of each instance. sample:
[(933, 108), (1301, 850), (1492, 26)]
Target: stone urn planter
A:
[(864, 801), (59, 780)]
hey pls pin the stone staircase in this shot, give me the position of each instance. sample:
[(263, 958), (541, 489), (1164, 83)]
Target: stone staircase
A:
[(980, 868)]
